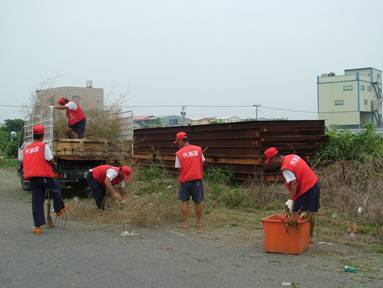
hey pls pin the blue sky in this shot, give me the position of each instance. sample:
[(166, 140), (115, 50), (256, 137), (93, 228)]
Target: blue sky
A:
[(211, 52)]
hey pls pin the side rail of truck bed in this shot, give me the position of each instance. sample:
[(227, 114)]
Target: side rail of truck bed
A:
[(91, 149)]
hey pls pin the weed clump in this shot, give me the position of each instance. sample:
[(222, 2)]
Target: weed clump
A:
[(100, 124), (354, 188)]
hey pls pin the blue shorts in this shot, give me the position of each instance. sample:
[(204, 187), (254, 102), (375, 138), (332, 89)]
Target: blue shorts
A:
[(98, 191), (193, 189), (79, 127), (310, 201)]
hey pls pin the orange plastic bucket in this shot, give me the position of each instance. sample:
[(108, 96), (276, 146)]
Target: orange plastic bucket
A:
[(279, 238)]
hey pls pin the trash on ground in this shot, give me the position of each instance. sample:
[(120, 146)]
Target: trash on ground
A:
[(287, 284), (325, 243), (177, 233), (352, 235), (129, 234), (359, 211), (351, 269)]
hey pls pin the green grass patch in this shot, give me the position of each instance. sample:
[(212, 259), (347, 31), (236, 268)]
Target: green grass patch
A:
[(9, 163)]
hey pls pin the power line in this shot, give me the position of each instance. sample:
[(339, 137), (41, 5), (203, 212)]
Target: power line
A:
[(15, 106), (224, 106), (289, 110), (186, 105)]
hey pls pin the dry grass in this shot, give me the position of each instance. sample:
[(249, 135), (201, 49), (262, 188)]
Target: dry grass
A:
[(152, 201), (348, 185), (141, 212)]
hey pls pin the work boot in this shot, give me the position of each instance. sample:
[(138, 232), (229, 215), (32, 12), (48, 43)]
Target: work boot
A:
[(37, 230), (62, 211)]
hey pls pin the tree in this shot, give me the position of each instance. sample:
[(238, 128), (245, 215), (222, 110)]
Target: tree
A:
[(13, 125)]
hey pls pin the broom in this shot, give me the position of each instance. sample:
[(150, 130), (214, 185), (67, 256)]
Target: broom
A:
[(49, 216)]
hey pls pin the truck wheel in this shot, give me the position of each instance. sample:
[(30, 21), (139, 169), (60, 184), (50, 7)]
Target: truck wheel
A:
[(24, 185)]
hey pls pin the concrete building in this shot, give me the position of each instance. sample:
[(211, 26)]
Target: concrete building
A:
[(352, 100), (174, 120), (215, 120), (146, 121), (88, 97)]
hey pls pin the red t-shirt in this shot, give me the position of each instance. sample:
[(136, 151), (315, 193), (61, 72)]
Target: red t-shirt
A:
[(99, 174), (191, 163), (75, 116), (34, 163), (305, 177)]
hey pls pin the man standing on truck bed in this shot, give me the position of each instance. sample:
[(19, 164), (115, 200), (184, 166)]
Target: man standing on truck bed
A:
[(37, 165), (189, 159), (104, 177), (300, 180), (75, 115)]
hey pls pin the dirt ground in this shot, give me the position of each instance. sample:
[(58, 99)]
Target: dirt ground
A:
[(84, 255)]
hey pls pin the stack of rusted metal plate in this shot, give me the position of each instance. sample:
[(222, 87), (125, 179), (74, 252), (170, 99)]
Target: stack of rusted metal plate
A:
[(238, 146)]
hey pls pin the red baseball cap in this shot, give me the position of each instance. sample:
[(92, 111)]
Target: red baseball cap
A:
[(179, 136), (61, 101), (127, 171), (270, 153), (38, 129)]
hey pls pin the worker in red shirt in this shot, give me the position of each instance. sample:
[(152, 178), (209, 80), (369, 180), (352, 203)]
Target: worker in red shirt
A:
[(37, 165), (75, 115), (189, 160), (105, 177), (300, 180)]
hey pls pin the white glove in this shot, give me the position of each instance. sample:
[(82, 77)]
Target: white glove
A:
[(289, 204)]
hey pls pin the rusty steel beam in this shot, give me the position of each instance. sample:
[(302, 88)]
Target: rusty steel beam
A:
[(236, 145)]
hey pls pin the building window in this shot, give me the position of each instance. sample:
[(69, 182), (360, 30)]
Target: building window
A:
[(173, 122), (365, 102), (339, 102), (347, 88), (361, 87), (369, 88)]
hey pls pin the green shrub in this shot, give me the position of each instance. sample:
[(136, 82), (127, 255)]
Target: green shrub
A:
[(9, 163), (216, 190), (11, 149), (152, 172), (218, 175), (4, 139), (345, 145), (233, 198)]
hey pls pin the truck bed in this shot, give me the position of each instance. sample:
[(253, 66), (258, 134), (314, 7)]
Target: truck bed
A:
[(91, 149)]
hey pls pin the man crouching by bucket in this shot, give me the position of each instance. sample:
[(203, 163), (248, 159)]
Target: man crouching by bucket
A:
[(299, 179)]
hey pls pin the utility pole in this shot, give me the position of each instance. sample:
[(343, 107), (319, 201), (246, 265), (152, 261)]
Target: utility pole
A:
[(183, 114), (256, 110)]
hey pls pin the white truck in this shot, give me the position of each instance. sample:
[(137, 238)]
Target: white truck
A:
[(74, 157)]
